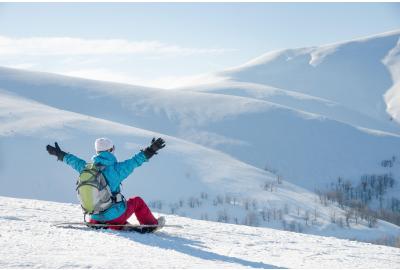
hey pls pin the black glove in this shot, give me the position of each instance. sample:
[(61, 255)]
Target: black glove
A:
[(56, 151), (154, 147)]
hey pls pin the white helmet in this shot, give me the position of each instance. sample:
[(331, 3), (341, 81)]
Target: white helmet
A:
[(103, 144)]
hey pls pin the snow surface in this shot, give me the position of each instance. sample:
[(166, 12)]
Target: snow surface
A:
[(29, 240)]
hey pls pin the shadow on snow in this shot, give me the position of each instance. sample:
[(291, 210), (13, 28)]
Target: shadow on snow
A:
[(189, 247)]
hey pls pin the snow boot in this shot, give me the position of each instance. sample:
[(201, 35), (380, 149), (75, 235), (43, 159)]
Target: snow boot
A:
[(161, 223)]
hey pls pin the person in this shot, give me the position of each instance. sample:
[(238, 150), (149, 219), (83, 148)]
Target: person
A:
[(115, 172)]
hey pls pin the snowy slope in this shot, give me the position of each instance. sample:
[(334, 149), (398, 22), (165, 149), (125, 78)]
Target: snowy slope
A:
[(392, 97), (259, 132), (297, 101), (28, 240), (355, 74), (353, 82), (27, 126), (170, 182)]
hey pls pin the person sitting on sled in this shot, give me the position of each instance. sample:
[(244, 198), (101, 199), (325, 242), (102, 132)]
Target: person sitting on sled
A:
[(114, 173)]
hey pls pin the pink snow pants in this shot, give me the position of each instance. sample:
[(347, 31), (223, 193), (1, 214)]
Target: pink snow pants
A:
[(136, 206)]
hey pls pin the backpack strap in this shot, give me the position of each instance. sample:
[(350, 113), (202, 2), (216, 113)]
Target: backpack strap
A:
[(117, 197), (101, 167)]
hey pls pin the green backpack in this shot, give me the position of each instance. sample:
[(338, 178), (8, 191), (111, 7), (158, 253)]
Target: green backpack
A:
[(93, 191)]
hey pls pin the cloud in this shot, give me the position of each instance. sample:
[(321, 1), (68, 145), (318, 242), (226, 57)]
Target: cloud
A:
[(49, 46), (109, 60), (22, 65)]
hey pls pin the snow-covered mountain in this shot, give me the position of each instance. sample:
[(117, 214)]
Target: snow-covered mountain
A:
[(29, 240), (302, 147), (353, 82), (186, 179), (241, 151), (355, 74)]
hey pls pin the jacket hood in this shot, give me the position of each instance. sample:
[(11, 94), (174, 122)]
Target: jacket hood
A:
[(104, 158)]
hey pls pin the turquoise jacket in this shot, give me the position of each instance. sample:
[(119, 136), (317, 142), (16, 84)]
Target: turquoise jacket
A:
[(115, 172)]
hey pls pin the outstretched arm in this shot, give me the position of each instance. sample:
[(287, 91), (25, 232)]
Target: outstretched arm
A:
[(73, 161), (126, 167)]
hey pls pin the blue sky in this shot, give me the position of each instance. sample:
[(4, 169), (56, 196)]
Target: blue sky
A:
[(169, 44)]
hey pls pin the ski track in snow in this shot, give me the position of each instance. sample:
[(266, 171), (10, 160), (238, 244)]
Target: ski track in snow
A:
[(28, 240)]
